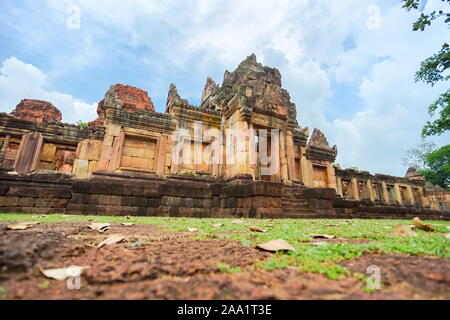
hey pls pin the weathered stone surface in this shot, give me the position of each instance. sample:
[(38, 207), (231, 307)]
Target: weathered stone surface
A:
[(318, 139), (259, 87), (319, 149), (413, 174), (29, 152), (123, 97), (37, 111), (124, 162)]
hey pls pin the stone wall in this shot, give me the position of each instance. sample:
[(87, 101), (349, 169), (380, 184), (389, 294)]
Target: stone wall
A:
[(179, 196)]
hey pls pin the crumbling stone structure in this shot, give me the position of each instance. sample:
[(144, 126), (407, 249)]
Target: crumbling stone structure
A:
[(240, 153)]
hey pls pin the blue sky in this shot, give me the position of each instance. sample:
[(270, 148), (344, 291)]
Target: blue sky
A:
[(348, 64)]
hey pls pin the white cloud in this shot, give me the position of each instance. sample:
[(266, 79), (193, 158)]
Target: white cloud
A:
[(19, 80), (304, 39), (395, 107)]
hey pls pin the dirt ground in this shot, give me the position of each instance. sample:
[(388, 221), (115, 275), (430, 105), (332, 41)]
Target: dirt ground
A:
[(158, 264)]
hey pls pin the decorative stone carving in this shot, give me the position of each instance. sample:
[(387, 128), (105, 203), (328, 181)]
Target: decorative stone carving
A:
[(319, 148), (123, 97), (258, 88), (413, 174)]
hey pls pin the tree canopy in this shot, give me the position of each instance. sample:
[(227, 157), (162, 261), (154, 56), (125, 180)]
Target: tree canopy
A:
[(439, 167), (433, 70)]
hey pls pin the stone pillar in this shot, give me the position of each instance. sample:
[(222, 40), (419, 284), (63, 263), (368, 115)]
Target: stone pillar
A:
[(355, 189), (304, 171), (29, 153), (253, 155), (410, 194), (290, 155), (116, 153), (397, 194), (161, 155), (385, 194), (283, 159), (331, 176), (424, 199), (339, 186), (112, 132), (5, 145), (370, 190), (241, 156)]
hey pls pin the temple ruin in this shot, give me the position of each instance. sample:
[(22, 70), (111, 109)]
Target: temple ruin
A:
[(241, 153)]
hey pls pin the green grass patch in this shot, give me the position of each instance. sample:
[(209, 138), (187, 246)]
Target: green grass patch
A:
[(308, 257), (225, 268)]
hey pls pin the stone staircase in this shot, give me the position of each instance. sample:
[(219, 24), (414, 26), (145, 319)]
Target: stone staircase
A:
[(293, 204)]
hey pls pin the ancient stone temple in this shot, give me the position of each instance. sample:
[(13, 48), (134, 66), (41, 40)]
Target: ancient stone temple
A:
[(240, 153)]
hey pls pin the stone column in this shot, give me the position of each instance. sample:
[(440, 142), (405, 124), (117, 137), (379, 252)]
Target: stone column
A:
[(29, 153), (112, 133), (397, 194), (290, 155), (385, 194), (116, 153), (339, 186), (283, 159), (5, 145), (370, 190), (331, 176), (424, 199), (410, 194), (253, 155), (161, 155), (305, 171), (355, 189), (238, 148)]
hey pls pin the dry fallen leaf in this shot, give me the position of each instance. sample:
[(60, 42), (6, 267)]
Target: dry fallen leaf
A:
[(237, 221), (192, 229), (217, 225), (20, 225), (100, 227), (113, 239), (276, 245), (419, 225), (127, 224), (403, 230), (63, 273), (322, 236), (257, 229)]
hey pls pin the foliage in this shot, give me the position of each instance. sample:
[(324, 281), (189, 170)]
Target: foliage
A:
[(416, 157), (425, 19), (433, 70), (225, 268), (82, 124), (442, 124), (438, 163)]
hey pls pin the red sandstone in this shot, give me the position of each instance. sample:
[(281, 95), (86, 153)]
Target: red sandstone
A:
[(37, 111)]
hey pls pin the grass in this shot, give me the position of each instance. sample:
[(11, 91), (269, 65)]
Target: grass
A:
[(308, 257)]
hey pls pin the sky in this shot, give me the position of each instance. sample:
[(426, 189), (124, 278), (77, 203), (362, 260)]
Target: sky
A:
[(348, 65)]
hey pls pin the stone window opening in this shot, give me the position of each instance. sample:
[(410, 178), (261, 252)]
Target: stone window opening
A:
[(57, 157), (391, 193)]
